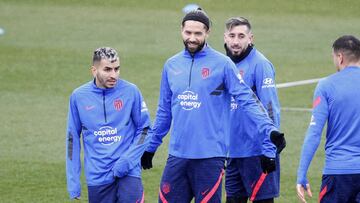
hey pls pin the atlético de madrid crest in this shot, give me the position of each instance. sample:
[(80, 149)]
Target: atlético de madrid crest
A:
[(205, 72), (118, 104)]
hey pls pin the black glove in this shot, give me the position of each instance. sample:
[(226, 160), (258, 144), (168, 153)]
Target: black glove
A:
[(146, 160), (267, 164), (279, 140)]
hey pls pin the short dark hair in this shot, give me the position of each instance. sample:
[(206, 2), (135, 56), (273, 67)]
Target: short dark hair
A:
[(197, 15), (236, 21), (105, 53), (349, 46)]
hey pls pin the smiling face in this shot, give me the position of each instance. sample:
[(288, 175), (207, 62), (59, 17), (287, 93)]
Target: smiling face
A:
[(106, 73), (194, 34), (237, 39)]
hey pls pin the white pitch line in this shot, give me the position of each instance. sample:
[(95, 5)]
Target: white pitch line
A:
[(297, 83), (296, 109)]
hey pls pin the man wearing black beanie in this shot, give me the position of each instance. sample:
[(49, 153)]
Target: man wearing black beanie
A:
[(198, 18), (195, 92)]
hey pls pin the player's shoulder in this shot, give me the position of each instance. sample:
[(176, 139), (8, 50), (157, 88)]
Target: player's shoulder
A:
[(124, 84), (217, 54), (219, 58), (259, 58), (177, 57), (326, 83), (84, 88), (330, 78)]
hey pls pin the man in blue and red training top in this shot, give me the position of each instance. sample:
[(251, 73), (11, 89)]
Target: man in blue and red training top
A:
[(337, 102), (244, 178), (114, 122), (195, 92)]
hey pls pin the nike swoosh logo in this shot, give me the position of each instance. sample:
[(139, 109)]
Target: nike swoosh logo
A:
[(176, 72), (88, 108)]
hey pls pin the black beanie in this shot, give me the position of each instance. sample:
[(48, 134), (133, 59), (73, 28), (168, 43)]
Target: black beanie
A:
[(197, 15)]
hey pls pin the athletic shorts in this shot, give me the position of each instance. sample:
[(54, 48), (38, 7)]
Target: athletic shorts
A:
[(244, 178), (122, 190), (184, 179), (344, 188)]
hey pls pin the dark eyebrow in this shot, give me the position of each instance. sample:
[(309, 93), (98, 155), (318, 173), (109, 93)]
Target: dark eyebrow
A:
[(111, 67)]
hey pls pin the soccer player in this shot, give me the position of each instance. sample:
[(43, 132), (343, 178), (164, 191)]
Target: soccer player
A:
[(112, 118), (194, 97), (244, 178), (337, 102)]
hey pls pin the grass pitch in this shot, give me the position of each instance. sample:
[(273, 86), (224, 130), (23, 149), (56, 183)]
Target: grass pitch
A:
[(46, 52)]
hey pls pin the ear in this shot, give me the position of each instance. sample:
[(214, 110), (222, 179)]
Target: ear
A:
[(339, 58), (93, 71), (251, 38), (208, 31)]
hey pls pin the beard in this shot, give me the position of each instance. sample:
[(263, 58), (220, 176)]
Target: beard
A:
[(196, 49), (105, 83), (236, 52), (237, 57)]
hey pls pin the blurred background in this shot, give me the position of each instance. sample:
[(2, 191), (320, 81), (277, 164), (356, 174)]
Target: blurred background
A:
[(46, 51)]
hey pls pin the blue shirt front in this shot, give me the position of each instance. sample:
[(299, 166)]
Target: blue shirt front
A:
[(194, 97), (336, 101), (112, 123), (259, 74)]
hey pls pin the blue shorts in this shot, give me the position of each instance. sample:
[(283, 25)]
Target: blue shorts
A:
[(184, 179), (244, 178), (126, 189), (340, 188)]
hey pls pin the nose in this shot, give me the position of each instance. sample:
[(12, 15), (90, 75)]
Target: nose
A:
[(113, 73), (236, 41), (192, 38)]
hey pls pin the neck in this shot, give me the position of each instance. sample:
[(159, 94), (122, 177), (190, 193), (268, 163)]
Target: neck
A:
[(350, 64), (238, 58), (357, 64)]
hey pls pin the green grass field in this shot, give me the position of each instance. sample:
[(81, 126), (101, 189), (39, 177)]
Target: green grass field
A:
[(46, 52)]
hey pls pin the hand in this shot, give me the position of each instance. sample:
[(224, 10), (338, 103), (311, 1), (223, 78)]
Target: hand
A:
[(301, 192), (121, 168), (267, 164), (146, 160), (279, 140), (75, 195)]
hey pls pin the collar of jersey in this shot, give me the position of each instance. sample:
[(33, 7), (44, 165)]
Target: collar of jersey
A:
[(238, 59), (352, 67)]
